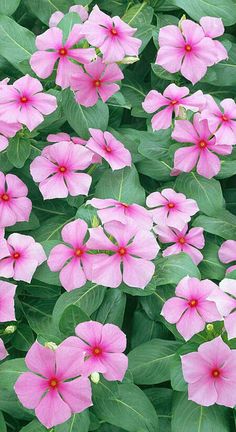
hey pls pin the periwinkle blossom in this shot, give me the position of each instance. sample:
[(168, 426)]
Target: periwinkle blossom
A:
[(109, 148), (53, 387), (24, 102), (132, 247), (227, 254), (73, 261), (7, 304), (7, 130), (14, 204), (51, 49), (213, 27), (103, 347), (56, 170), (211, 374), (183, 241), (170, 102), (187, 50), (57, 16), (112, 210), (221, 123), (201, 153), (98, 80), (62, 136), (112, 36), (171, 208), (225, 299), (191, 309), (23, 258)]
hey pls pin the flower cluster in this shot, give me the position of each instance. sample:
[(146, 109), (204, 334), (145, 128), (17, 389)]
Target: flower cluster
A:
[(57, 384)]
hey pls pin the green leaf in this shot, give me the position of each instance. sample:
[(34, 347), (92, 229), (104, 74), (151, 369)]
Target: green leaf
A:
[(211, 267), (43, 272), (81, 118), (34, 426), (150, 362), (144, 329), (87, 298), (171, 269), (18, 150), (112, 308), (8, 7), (77, 423), (71, 317), (161, 398), (122, 185), (223, 224), (23, 338), (16, 44), (156, 169), (138, 15), (223, 74), (67, 24), (207, 193), (10, 370), (3, 427), (125, 406), (188, 416), (217, 8), (51, 228), (32, 224), (43, 9)]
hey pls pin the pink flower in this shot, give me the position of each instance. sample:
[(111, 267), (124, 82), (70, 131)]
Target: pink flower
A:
[(74, 263), (191, 309), (132, 249), (3, 351), (221, 124), (49, 388), (186, 50), (61, 136), (106, 145), (211, 374), (200, 154), (56, 170), (7, 130), (113, 210), (112, 36), (214, 27), (14, 205), (51, 48), (172, 99), (103, 346), (188, 242), (227, 254), (24, 256), (225, 299), (56, 17), (97, 81), (171, 208), (24, 102), (7, 309)]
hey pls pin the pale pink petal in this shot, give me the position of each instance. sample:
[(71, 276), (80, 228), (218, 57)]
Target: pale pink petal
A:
[(53, 187), (190, 323), (208, 165), (30, 117), (116, 365), (193, 68), (41, 168), (74, 232), (106, 270), (203, 391), (77, 394), (186, 158), (153, 101), (144, 245), (192, 31), (98, 240), (194, 253), (113, 339), (15, 186), (171, 35), (52, 410), (42, 63), (215, 352), (105, 91), (3, 351), (227, 251), (50, 39), (30, 389), (137, 272), (58, 256), (173, 309), (72, 275), (230, 325), (170, 58), (45, 103), (195, 237), (163, 119), (212, 27), (41, 360), (194, 367), (184, 131), (78, 183)]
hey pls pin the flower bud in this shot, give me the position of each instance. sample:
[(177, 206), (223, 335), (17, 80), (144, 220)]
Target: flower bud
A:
[(210, 327), (182, 113), (183, 18), (95, 222), (51, 345), (10, 329), (95, 377), (129, 60)]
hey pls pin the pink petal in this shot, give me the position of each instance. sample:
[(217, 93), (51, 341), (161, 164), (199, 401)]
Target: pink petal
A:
[(42, 63), (173, 309), (106, 270), (7, 293), (77, 394), (212, 27), (230, 325), (30, 117), (53, 187), (74, 232), (78, 183), (208, 165), (195, 237), (190, 323), (3, 351), (186, 158), (90, 332), (52, 410), (69, 359), (193, 68), (116, 365), (58, 256), (30, 389), (144, 245), (98, 240), (171, 35), (50, 39), (194, 367), (45, 103), (41, 360), (113, 339), (215, 352), (41, 168), (72, 275), (192, 32), (194, 253), (153, 101), (203, 391), (163, 119), (137, 272), (170, 58)]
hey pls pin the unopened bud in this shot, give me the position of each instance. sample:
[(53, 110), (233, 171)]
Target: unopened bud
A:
[(10, 329), (95, 222), (210, 327), (51, 345), (129, 60), (95, 377), (182, 115), (183, 18)]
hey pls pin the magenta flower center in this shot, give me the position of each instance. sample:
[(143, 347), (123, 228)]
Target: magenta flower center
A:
[(125, 205), (97, 83), (224, 118), (16, 255), (182, 240), (202, 144), (107, 149), (62, 52), (215, 373), (188, 48), (193, 303), (170, 205), (5, 197), (122, 251), (62, 169), (113, 31), (53, 383), (174, 102), (78, 252), (97, 351), (23, 99)]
